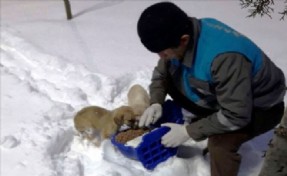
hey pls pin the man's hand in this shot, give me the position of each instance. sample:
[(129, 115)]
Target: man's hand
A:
[(176, 136), (151, 115)]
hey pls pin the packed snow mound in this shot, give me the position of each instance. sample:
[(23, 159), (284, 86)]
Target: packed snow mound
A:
[(48, 141), (62, 81)]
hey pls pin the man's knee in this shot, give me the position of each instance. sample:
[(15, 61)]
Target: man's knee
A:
[(217, 144), (226, 142)]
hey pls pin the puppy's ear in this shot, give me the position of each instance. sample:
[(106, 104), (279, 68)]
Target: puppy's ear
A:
[(119, 119)]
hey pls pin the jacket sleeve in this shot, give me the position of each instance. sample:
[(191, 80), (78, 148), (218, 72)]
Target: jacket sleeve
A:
[(158, 86), (232, 78)]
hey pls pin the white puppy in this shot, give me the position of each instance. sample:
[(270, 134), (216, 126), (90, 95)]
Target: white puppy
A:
[(138, 99)]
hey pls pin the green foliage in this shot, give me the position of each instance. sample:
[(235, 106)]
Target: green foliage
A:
[(262, 7)]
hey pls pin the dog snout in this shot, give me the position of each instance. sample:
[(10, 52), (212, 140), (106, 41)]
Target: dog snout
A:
[(133, 123)]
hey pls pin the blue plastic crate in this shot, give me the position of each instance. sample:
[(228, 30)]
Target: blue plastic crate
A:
[(150, 152)]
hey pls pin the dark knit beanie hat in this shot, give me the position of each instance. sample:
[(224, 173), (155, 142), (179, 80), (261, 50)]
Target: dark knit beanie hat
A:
[(161, 26)]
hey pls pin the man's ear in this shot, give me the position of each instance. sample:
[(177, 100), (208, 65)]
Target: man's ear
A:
[(184, 40)]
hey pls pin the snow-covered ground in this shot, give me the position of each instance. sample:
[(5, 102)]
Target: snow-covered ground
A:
[(51, 68)]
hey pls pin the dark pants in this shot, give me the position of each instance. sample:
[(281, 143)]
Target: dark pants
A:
[(224, 159)]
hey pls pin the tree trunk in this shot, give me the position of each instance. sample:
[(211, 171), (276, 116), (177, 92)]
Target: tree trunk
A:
[(275, 163), (68, 9)]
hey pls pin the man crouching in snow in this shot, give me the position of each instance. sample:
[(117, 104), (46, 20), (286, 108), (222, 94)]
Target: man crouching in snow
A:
[(216, 73)]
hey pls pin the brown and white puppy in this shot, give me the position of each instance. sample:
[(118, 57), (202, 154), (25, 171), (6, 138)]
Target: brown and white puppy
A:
[(138, 99), (95, 123)]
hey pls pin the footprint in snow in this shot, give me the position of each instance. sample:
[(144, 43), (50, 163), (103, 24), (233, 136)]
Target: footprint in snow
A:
[(9, 142)]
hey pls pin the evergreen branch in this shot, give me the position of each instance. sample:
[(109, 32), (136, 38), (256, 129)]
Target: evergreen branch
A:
[(258, 7), (284, 12)]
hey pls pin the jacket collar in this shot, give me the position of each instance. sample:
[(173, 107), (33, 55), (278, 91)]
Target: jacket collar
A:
[(191, 48)]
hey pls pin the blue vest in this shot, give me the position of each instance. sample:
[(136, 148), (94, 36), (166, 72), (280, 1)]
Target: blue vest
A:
[(216, 38)]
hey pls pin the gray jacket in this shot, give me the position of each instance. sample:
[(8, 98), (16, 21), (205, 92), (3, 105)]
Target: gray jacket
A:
[(235, 94)]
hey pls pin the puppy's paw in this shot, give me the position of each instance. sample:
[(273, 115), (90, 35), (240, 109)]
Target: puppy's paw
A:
[(96, 142)]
